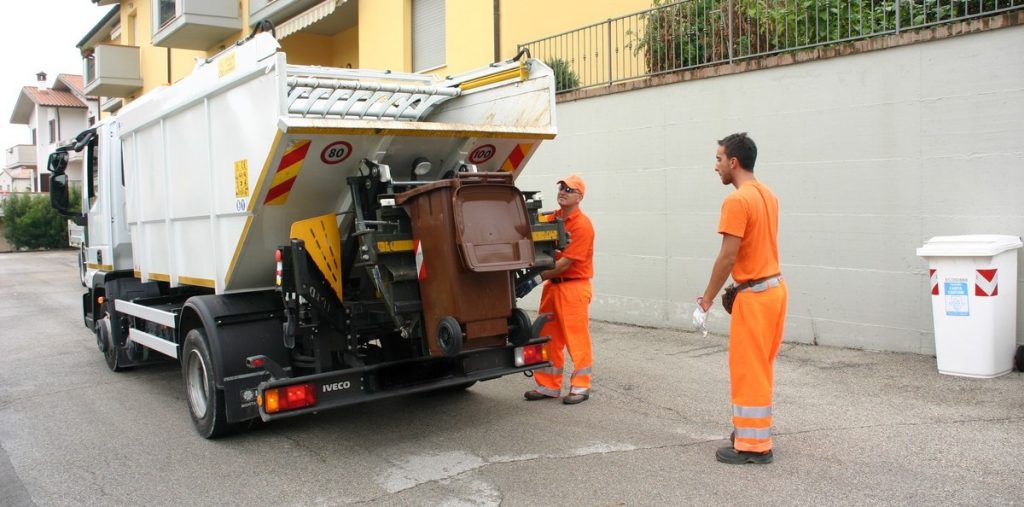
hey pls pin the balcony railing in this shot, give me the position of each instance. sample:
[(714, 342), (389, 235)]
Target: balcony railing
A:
[(112, 71), (21, 155), (195, 24), (696, 33)]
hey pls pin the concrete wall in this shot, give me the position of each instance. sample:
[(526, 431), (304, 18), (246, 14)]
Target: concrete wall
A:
[(870, 154)]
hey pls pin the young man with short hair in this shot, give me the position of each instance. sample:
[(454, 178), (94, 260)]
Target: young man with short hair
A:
[(750, 253)]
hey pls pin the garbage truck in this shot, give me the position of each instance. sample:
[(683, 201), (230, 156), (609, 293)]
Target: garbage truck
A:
[(302, 238)]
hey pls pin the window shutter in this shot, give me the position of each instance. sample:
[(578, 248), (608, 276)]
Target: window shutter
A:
[(428, 49)]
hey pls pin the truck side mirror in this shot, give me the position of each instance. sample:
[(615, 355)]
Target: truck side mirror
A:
[(59, 192), (58, 162)]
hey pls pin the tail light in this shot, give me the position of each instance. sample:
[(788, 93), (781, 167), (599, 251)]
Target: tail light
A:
[(530, 354), (279, 399), (280, 268)]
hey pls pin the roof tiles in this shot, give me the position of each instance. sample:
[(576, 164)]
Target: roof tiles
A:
[(53, 98)]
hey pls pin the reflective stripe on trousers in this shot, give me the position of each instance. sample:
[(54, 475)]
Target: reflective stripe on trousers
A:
[(569, 328), (755, 334), (579, 378)]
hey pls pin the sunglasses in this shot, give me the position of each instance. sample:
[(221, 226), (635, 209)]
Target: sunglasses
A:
[(568, 190)]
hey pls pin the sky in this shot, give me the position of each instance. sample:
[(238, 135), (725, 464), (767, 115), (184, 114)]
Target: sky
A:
[(39, 35)]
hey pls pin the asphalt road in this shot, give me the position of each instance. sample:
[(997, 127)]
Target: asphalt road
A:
[(852, 427)]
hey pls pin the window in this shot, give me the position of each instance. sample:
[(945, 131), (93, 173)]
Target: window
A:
[(428, 50), (166, 10), (53, 131), (92, 120)]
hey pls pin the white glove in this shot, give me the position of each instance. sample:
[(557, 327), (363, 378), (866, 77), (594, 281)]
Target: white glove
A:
[(700, 318)]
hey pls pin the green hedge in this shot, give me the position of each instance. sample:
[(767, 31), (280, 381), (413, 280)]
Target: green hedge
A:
[(31, 222), (697, 32)]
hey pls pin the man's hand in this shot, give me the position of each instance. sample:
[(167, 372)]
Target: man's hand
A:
[(523, 287), (700, 318)]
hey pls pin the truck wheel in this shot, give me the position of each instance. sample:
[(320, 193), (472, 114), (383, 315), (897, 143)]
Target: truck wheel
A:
[(107, 344), (449, 336), (82, 269), (1020, 358), (519, 328), (205, 401)]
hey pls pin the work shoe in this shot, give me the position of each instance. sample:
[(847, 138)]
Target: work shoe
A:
[(573, 399), (536, 395), (733, 457)]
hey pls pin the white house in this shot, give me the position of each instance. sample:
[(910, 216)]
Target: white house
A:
[(55, 116)]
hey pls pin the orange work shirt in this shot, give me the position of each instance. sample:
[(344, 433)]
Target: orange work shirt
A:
[(581, 245), (754, 219)]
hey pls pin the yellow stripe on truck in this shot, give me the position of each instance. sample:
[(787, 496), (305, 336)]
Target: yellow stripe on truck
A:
[(406, 245)]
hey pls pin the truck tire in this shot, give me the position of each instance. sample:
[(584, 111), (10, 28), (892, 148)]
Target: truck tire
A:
[(1020, 358), (449, 336), (106, 340), (82, 268), (205, 401)]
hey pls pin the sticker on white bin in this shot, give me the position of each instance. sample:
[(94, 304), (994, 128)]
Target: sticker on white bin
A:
[(957, 304)]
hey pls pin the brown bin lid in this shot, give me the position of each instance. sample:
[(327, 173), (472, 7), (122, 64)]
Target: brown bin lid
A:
[(492, 228)]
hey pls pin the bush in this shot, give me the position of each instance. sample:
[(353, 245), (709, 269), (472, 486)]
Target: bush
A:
[(696, 32), (675, 36), (565, 78), (31, 222)]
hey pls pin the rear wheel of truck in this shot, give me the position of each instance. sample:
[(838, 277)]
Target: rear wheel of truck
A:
[(205, 401)]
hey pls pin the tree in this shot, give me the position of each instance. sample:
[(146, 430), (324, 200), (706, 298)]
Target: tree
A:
[(32, 223)]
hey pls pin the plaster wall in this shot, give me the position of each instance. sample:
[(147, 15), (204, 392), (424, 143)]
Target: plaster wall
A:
[(870, 154)]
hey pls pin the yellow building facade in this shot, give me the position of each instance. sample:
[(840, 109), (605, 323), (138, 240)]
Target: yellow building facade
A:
[(373, 34)]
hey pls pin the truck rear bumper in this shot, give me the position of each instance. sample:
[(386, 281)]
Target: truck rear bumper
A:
[(357, 385)]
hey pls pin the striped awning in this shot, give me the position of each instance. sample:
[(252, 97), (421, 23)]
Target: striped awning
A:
[(308, 17)]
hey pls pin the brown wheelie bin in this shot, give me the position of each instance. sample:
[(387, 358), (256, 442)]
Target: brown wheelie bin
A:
[(470, 231)]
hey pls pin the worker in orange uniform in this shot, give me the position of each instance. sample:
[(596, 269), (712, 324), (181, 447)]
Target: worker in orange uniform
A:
[(750, 253), (566, 297)]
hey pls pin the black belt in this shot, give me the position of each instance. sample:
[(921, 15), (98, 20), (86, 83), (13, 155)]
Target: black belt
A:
[(561, 280)]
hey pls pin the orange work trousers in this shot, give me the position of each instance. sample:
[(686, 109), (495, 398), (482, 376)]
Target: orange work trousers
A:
[(568, 327), (755, 335)]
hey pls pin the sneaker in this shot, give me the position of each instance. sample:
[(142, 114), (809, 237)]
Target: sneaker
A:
[(536, 395), (733, 457), (573, 399)]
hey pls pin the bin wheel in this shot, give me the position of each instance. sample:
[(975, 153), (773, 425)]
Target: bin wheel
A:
[(520, 328), (1020, 358), (449, 336)]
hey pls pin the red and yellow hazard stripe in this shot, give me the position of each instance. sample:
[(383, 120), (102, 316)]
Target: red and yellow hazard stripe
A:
[(515, 159), (287, 171)]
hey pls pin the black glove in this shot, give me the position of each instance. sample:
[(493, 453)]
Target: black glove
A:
[(523, 287)]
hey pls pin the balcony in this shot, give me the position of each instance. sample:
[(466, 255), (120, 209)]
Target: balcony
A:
[(111, 104), (21, 155), (194, 24), (112, 71)]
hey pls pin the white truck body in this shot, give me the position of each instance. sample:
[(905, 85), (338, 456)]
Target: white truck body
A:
[(218, 166), (270, 226)]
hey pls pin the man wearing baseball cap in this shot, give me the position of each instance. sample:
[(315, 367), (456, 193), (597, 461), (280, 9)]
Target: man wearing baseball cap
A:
[(566, 296)]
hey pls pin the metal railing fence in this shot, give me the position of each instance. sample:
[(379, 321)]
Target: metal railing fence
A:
[(695, 33)]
